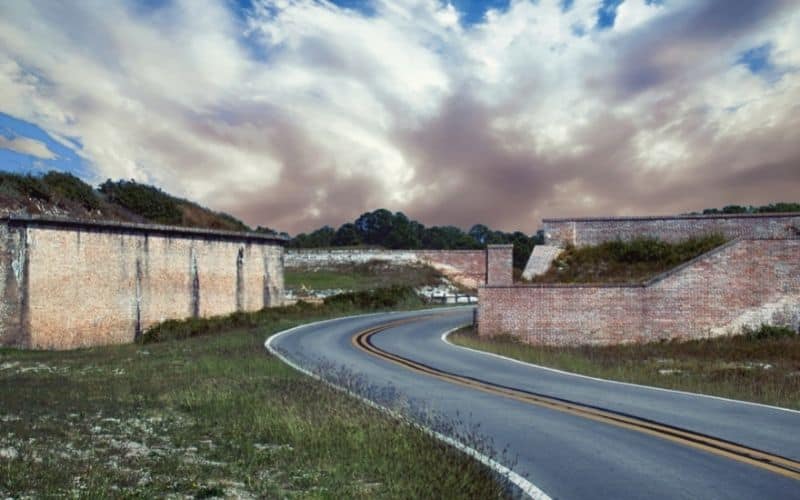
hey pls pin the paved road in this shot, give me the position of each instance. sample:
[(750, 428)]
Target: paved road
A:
[(566, 456)]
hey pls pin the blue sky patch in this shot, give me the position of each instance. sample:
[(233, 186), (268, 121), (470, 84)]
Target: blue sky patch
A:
[(65, 158), (757, 58), (607, 13), (474, 11), (758, 61)]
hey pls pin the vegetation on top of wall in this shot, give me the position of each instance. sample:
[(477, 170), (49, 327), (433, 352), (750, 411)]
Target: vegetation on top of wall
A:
[(147, 201), (63, 194), (385, 229), (625, 261), (750, 209)]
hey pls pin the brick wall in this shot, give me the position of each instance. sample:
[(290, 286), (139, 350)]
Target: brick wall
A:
[(591, 231), (745, 282), (499, 264), (92, 284), (465, 266)]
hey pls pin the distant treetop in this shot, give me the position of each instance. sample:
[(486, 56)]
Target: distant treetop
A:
[(750, 209), (385, 229)]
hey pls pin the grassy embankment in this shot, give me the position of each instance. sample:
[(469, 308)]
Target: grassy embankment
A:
[(62, 194), (624, 262), (359, 277), (761, 366), (201, 410)]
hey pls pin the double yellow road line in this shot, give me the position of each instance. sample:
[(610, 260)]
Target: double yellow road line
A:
[(768, 461)]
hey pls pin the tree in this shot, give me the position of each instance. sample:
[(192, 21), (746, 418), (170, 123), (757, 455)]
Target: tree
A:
[(346, 236)]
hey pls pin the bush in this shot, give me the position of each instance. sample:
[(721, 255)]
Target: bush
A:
[(768, 332), (146, 201), (25, 185), (625, 261), (69, 187), (380, 298)]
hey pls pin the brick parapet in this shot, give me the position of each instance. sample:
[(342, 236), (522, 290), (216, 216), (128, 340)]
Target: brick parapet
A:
[(743, 283), (83, 284), (465, 266), (499, 265), (135, 228), (592, 231)]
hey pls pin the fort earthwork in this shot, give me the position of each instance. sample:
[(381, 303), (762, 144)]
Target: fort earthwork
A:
[(67, 284), (753, 279)]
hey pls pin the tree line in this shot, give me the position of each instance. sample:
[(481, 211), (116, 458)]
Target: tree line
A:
[(382, 228)]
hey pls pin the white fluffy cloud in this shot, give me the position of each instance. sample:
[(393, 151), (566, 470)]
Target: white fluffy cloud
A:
[(297, 112), (27, 146)]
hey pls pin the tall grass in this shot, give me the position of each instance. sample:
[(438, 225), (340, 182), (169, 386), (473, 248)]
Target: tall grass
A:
[(211, 415), (625, 261), (761, 366)]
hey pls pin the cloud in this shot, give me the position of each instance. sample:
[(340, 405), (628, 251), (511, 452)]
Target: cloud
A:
[(27, 146), (297, 113)]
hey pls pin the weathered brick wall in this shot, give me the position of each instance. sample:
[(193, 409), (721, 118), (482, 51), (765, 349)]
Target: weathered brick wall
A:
[(591, 231), (499, 264), (94, 285), (743, 283), (466, 266)]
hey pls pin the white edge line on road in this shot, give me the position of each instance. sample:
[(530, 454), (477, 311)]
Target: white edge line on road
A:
[(631, 384), (520, 482)]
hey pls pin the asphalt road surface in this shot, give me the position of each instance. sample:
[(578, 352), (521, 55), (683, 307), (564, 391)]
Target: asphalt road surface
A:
[(563, 453)]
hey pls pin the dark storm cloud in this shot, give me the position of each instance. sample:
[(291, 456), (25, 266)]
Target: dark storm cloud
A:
[(675, 47)]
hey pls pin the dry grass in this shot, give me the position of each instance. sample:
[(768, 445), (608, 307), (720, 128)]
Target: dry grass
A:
[(208, 416), (763, 370), (624, 261)]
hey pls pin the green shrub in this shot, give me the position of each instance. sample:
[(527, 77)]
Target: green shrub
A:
[(625, 261), (768, 332), (380, 298), (69, 187), (24, 185), (146, 201)]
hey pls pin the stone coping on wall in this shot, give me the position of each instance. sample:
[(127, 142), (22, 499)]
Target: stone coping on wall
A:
[(672, 217), (130, 227), (381, 249), (644, 284)]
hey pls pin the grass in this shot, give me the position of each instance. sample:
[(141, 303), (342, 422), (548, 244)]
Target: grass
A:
[(625, 261), (63, 194), (210, 415), (762, 365), (360, 277)]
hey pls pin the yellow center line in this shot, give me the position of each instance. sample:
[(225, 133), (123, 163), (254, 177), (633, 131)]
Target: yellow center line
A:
[(757, 458)]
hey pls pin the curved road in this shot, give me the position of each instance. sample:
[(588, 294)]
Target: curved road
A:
[(565, 455)]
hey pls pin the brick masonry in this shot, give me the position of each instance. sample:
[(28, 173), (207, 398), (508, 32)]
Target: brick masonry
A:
[(68, 284), (499, 265), (591, 231), (468, 267), (743, 283)]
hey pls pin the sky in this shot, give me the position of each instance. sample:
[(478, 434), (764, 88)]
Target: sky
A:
[(297, 113)]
